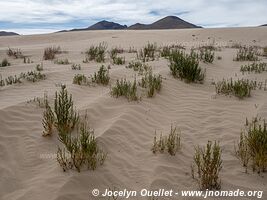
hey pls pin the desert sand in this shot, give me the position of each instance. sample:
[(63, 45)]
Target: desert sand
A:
[(125, 129)]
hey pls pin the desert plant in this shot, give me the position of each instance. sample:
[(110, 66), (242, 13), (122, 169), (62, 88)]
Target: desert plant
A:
[(2, 81), (239, 88), (62, 61), (76, 67), (245, 53), (207, 55), (10, 80), (171, 142), (16, 53), (252, 146), (80, 79), (81, 150), (66, 117), (48, 119), (125, 88), (254, 67), (50, 52), (33, 76), (139, 66), (4, 63), (209, 164), (147, 53), (264, 51), (96, 53), (102, 76), (27, 60), (186, 67), (151, 82), (39, 67)]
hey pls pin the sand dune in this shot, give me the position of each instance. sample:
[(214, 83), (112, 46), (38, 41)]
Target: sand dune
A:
[(125, 129)]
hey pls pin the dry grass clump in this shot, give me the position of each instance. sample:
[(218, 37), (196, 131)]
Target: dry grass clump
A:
[(147, 53), (115, 58), (125, 88), (139, 66), (101, 76), (4, 63), (245, 53), (50, 52), (96, 53), (152, 83), (252, 146), (62, 62), (239, 88), (254, 67), (76, 67), (15, 53), (80, 151), (209, 164), (170, 143), (186, 67)]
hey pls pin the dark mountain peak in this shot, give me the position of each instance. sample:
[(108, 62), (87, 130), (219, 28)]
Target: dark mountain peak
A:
[(4, 33), (169, 22), (106, 25)]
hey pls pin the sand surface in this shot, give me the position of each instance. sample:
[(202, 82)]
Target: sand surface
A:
[(125, 129)]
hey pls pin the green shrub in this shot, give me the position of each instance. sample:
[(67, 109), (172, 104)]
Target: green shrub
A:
[(81, 150), (66, 117), (102, 76), (247, 54), (252, 146), (33, 76), (264, 51), (125, 88), (48, 119), (151, 82), (4, 63), (239, 88), (254, 67), (186, 67), (207, 55), (209, 164), (76, 67), (96, 53), (147, 53), (170, 143), (50, 52)]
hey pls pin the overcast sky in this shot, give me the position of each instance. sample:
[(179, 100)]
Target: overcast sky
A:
[(42, 16)]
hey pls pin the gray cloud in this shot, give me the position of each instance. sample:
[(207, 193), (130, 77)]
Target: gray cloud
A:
[(208, 13)]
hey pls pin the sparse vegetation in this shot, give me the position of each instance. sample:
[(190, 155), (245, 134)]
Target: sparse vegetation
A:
[(207, 55), (76, 67), (186, 67), (239, 88), (152, 83), (48, 119), (209, 164), (33, 76), (15, 53), (170, 143), (254, 67), (96, 53), (147, 53), (102, 76), (4, 63), (125, 88), (80, 79), (39, 67), (247, 54), (27, 60), (62, 62), (264, 51), (252, 146), (50, 52), (139, 66), (115, 58)]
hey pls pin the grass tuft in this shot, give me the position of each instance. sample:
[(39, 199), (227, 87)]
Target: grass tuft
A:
[(147, 53), (101, 76), (16, 53), (152, 83), (126, 89), (245, 53), (209, 164), (4, 63), (96, 53), (50, 52)]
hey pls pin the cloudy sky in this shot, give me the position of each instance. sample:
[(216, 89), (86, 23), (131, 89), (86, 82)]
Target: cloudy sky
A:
[(43, 16)]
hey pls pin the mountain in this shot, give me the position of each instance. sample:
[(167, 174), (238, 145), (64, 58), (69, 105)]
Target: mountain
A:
[(169, 22), (4, 33), (102, 25), (264, 25)]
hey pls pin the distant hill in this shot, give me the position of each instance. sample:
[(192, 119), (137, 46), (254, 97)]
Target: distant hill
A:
[(169, 22), (102, 25), (264, 25), (4, 33)]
